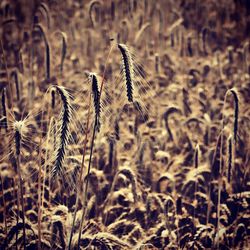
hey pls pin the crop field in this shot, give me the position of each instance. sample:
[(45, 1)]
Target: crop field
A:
[(124, 124)]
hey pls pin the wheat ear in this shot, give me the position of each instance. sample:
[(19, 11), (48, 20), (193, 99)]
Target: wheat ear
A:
[(96, 99), (127, 70), (166, 115), (43, 8), (64, 121), (15, 75), (47, 48), (132, 177), (236, 113), (91, 7), (53, 99), (64, 50)]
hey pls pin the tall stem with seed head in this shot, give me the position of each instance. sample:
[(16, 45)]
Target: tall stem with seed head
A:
[(18, 139), (128, 70)]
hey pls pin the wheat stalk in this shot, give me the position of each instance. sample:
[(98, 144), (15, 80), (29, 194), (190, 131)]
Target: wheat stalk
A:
[(235, 130), (5, 121), (229, 158), (196, 165), (83, 158), (80, 176), (4, 206), (87, 181), (19, 132)]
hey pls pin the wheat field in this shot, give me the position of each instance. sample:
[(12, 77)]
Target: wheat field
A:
[(124, 124)]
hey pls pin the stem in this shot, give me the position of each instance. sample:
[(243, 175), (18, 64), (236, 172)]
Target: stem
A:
[(15, 193), (83, 157), (87, 182), (39, 185), (22, 199), (81, 172), (220, 184), (4, 208), (51, 124), (39, 205)]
